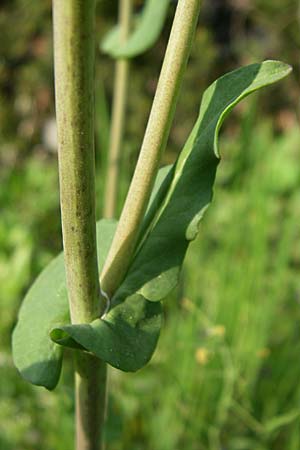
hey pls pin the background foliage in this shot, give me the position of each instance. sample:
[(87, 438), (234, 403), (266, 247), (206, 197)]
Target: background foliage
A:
[(226, 373)]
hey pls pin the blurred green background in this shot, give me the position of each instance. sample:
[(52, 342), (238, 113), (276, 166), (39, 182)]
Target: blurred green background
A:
[(226, 373)]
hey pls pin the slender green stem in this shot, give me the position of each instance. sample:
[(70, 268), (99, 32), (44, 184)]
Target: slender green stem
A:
[(74, 51), (118, 115), (90, 399), (74, 75), (154, 143)]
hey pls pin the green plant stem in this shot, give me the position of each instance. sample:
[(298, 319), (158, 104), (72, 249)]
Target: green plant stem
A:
[(90, 399), (118, 115), (154, 143), (74, 50)]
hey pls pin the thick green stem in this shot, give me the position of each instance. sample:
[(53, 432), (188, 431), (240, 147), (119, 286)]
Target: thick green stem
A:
[(154, 143), (118, 115), (74, 50)]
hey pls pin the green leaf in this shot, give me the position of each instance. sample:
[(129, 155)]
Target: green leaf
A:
[(125, 338), (273, 425), (36, 357), (162, 183), (150, 24), (156, 266)]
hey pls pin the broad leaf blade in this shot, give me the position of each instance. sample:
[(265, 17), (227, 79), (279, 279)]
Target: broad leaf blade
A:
[(125, 338), (155, 269), (105, 233), (162, 183), (45, 306), (147, 32), (36, 357)]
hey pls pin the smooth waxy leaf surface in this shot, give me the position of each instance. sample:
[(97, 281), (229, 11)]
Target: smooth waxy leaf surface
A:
[(155, 269), (125, 338), (36, 357), (150, 24), (162, 183)]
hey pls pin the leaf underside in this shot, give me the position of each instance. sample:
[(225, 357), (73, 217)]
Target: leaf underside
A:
[(127, 336), (150, 24)]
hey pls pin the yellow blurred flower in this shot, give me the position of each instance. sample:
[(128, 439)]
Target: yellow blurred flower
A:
[(202, 355)]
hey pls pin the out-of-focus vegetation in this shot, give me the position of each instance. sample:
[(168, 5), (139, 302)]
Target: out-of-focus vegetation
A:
[(226, 373)]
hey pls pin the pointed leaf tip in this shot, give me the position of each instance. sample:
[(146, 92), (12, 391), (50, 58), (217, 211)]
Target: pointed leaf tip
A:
[(188, 192)]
